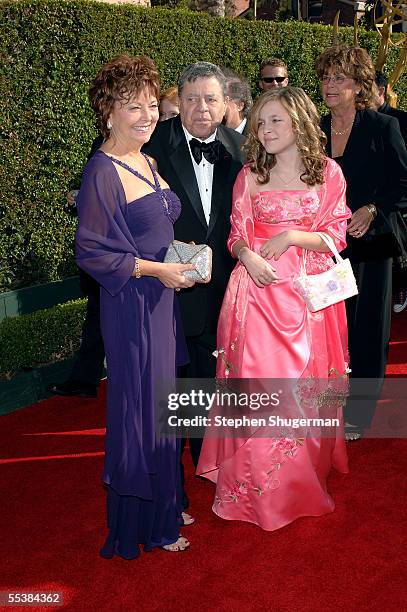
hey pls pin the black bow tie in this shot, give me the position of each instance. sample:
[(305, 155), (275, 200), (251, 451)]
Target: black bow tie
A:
[(210, 150)]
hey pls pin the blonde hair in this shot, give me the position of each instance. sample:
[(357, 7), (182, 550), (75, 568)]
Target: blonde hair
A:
[(274, 62), (310, 139), (356, 64)]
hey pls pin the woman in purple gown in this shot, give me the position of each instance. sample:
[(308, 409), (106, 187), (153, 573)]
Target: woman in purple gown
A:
[(126, 214)]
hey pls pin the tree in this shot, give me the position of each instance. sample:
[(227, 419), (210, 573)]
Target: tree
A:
[(213, 7)]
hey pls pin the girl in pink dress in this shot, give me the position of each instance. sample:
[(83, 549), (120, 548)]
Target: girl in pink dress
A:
[(286, 192)]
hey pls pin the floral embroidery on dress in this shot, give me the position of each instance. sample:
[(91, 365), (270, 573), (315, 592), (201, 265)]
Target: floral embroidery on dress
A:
[(316, 395), (296, 206), (282, 450), (269, 207), (220, 353)]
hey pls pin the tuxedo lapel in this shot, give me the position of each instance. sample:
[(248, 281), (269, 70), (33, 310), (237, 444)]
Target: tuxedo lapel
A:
[(220, 178), (180, 159), (221, 172)]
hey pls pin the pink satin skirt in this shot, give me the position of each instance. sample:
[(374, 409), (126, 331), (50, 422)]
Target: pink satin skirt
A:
[(271, 481)]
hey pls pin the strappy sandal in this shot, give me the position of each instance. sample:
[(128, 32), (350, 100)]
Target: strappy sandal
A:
[(180, 545), (187, 519)]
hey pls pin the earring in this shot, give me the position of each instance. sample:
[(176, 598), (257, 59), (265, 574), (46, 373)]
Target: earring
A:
[(109, 125)]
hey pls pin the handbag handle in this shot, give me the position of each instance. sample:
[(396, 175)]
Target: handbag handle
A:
[(330, 244)]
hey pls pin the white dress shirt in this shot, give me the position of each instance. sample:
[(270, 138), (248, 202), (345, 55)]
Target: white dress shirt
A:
[(204, 175), (241, 126)]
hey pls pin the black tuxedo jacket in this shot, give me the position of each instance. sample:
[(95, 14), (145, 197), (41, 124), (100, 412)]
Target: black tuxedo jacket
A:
[(200, 305), (245, 132), (398, 220), (374, 164)]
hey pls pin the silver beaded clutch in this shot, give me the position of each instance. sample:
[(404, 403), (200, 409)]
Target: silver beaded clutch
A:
[(198, 254)]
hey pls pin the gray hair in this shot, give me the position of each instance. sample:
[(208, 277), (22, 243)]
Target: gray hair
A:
[(202, 70), (239, 90)]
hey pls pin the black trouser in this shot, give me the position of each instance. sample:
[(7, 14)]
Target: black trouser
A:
[(369, 321), (202, 365), (88, 367)]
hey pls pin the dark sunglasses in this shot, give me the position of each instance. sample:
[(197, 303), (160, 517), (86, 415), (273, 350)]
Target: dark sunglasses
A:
[(271, 79)]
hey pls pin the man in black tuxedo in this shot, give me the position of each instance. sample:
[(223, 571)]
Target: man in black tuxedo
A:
[(200, 158)]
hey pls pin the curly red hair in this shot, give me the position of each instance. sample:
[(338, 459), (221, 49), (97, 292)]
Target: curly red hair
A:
[(119, 80)]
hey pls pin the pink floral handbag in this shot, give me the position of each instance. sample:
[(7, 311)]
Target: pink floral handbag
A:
[(329, 287)]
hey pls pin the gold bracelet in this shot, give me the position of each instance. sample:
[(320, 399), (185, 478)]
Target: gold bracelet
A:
[(137, 268), (371, 208)]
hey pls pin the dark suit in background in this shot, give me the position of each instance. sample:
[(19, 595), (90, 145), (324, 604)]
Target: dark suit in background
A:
[(399, 114), (398, 219), (374, 164), (88, 366)]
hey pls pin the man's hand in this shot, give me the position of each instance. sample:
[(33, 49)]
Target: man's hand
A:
[(360, 222)]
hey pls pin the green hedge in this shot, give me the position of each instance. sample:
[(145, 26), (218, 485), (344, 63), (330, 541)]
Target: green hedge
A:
[(49, 52), (41, 337)]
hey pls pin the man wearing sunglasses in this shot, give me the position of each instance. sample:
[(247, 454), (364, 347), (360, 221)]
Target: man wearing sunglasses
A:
[(273, 74)]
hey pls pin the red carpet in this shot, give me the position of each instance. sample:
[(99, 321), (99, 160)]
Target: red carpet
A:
[(52, 524), (397, 365)]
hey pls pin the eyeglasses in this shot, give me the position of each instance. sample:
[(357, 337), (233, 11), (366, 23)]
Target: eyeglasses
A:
[(271, 79), (338, 79)]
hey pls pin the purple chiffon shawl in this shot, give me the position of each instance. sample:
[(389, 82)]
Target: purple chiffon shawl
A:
[(105, 248)]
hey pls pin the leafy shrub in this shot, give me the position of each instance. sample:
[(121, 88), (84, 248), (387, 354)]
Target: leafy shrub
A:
[(40, 337)]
